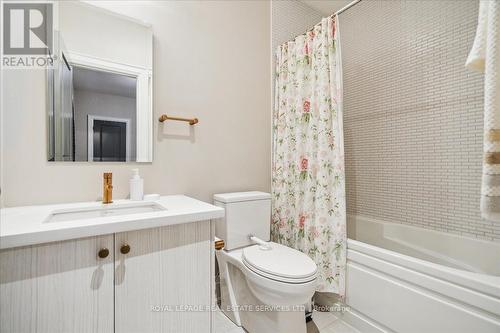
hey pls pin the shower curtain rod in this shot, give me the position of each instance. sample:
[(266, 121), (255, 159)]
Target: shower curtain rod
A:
[(346, 7), (349, 5)]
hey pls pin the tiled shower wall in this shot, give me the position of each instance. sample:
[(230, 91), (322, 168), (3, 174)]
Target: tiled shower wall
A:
[(413, 115)]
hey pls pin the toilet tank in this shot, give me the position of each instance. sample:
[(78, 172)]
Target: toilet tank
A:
[(247, 213)]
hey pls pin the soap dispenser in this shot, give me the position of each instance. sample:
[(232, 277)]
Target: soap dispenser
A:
[(136, 186)]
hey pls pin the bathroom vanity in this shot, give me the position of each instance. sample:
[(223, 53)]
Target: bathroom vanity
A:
[(122, 267)]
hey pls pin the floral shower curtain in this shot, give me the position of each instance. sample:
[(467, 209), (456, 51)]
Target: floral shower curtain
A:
[(308, 156)]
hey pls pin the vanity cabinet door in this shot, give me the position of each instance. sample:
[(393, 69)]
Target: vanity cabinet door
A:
[(57, 287), (163, 284)]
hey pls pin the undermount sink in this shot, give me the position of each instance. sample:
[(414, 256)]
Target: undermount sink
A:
[(65, 215)]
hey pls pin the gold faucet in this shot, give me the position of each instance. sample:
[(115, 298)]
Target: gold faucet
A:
[(107, 194)]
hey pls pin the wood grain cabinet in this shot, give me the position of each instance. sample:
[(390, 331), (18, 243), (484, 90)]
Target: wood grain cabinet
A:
[(57, 287), (163, 284), (160, 283)]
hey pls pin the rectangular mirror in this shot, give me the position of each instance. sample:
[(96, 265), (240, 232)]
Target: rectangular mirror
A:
[(100, 88)]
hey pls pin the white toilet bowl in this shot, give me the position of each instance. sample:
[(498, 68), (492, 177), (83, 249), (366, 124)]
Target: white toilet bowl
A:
[(263, 287), (264, 290)]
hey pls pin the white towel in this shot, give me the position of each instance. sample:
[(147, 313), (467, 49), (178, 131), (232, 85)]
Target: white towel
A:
[(485, 57)]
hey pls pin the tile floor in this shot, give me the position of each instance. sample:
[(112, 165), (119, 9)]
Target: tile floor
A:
[(323, 322)]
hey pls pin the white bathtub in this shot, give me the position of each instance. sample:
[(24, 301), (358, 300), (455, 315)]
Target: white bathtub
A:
[(406, 279)]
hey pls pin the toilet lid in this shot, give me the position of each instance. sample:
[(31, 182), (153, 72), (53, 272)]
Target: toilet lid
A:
[(279, 262)]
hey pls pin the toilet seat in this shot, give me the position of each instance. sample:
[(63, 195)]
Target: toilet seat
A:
[(280, 263)]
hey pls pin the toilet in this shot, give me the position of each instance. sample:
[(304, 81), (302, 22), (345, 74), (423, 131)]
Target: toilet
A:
[(264, 285)]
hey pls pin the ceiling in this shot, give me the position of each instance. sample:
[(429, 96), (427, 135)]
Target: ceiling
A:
[(326, 7), (104, 82)]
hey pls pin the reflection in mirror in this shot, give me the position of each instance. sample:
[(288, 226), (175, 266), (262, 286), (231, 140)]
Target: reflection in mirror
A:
[(100, 90), (104, 116)]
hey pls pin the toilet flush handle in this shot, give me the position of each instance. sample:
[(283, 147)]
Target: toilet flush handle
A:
[(263, 245)]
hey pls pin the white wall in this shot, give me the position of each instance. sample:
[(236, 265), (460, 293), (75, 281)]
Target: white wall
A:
[(92, 31), (211, 60)]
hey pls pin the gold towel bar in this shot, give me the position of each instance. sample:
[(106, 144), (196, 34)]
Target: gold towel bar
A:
[(191, 121)]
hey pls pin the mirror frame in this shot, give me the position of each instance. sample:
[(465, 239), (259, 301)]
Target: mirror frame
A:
[(144, 92)]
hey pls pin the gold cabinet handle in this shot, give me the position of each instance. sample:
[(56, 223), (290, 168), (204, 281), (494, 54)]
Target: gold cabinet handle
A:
[(103, 253), (125, 249)]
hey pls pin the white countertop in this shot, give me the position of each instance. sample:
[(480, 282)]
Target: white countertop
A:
[(21, 226)]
